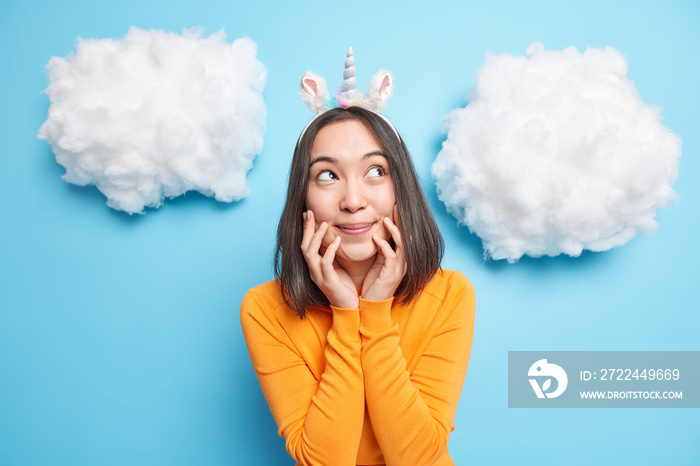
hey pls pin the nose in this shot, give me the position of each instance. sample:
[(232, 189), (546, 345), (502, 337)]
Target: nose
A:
[(354, 197)]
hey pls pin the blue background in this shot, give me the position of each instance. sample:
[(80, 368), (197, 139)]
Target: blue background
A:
[(119, 335)]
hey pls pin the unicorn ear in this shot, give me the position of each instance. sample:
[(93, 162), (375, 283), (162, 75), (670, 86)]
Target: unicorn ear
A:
[(313, 90), (379, 91)]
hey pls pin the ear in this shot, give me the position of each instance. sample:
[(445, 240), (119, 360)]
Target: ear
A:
[(380, 89), (313, 90)]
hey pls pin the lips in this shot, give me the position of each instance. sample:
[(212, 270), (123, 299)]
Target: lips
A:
[(355, 229)]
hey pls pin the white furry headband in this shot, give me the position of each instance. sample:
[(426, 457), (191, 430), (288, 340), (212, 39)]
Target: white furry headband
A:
[(314, 92)]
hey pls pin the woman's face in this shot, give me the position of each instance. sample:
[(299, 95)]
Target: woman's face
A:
[(350, 188)]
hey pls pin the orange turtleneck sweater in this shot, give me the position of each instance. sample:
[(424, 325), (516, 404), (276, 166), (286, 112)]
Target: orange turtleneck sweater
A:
[(373, 386)]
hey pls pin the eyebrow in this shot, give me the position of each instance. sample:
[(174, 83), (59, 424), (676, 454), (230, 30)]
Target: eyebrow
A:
[(326, 158)]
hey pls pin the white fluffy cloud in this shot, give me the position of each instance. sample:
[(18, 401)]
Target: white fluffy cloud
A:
[(157, 114), (556, 153)]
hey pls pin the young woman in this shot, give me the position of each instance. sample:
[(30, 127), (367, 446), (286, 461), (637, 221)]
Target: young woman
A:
[(361, 344)]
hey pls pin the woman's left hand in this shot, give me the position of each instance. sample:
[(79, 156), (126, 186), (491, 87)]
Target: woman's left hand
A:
[(389, 267)]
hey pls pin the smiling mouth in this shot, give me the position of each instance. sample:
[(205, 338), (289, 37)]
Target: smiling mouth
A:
[(355, 229)]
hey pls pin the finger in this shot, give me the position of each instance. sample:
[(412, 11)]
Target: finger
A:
[(396, 219), (398, 223), (379, 260), (313, 258), (395, 232), (309, 248), (384, 247), (398, 241), (316, 239), (329, 257), (309, 229), (391, 270)]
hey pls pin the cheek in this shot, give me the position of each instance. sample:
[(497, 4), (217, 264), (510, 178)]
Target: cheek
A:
[(321, 205), (387, 204), (318, 204), (327, 239)]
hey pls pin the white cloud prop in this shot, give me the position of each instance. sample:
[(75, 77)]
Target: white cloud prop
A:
[(556, 153), (157, 114)]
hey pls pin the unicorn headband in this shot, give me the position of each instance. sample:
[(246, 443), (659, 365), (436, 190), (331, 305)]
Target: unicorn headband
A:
[(314, 92)]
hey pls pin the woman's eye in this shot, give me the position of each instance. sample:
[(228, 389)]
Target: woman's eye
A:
[(326, 175), (376, 172)]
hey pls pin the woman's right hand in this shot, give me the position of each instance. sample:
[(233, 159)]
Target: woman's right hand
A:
[(325, 272)]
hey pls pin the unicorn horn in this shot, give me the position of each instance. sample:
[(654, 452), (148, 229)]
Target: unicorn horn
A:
[(348, 91)]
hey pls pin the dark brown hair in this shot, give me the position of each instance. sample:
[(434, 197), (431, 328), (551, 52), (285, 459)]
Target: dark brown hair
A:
[(422, 240)]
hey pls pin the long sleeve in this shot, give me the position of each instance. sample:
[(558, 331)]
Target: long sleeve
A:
[(321, 420), (412, 413)]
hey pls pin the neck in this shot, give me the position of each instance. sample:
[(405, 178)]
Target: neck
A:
[(356, 270)]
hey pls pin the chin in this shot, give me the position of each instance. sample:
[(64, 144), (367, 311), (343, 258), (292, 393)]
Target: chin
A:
[(357, 252)]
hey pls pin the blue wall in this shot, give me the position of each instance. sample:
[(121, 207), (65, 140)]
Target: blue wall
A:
[(119, 335)]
